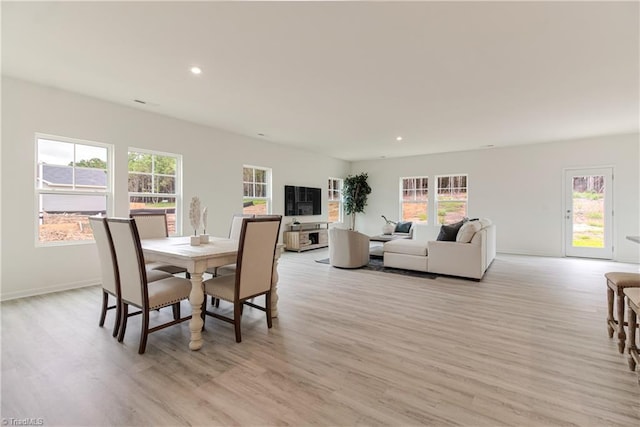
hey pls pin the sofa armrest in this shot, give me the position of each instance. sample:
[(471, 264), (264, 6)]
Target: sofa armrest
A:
[(457, 259)]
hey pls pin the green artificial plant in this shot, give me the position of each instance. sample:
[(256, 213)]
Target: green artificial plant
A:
[(355, 191)]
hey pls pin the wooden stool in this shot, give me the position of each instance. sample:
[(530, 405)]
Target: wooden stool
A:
[(616, 283), (633, 298)]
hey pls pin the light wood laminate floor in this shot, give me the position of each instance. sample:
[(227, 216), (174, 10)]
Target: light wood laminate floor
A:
[(527, 346)]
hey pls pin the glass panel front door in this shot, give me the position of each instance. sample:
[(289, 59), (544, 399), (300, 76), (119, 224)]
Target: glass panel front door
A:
[(588, 214)]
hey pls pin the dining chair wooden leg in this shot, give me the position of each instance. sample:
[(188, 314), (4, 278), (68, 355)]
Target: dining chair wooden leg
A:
[(610, 318), (145, 332), (176, 311), (116, 324), (105, 303), (267, 305), (237, 316), (203, 311), (622, 337), (633, 323), (124, 315)]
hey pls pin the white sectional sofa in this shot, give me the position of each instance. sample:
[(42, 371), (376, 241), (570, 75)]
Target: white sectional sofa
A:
[(469, 256)]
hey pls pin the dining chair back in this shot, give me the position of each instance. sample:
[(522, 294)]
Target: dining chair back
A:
[(151, 225), (254, 271), (236, 225), (234, 234), (154, 226), (256, 251), (108, 268), (134, 289), (128, 251)]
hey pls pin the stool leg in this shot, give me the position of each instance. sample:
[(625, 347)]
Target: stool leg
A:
[(621, 335), (610, 319), (632, 340)]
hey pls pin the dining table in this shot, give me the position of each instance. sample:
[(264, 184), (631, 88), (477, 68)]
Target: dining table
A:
[(217, 252)]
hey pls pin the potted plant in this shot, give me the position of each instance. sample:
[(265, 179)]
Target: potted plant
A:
[(355, 192)]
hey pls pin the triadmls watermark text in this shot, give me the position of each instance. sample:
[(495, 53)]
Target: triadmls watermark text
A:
[(23, 421)]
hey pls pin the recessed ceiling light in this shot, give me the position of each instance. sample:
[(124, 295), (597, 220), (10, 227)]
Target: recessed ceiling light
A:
[(261, 134), (398, 138), (196, 70)]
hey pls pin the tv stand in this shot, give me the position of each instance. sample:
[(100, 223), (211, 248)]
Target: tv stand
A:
[(306, 236)]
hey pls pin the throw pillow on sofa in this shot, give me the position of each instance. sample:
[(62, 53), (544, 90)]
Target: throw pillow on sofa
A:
[(467, 231), (449, 232), (403, 227)]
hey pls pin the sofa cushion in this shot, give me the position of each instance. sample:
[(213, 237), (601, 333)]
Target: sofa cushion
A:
[(467, 231), (403, 227), (448, 232), (406, 246)]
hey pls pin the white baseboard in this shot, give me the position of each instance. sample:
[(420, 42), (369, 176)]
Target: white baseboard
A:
[(6, 296)]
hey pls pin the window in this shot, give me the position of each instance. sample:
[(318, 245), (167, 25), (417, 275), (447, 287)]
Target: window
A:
[(451, 200), (256, 187), (73, 181), (334, 200), (414, 194), (154, 185)]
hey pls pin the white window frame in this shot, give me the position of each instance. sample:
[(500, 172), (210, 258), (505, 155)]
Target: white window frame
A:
[(401, 194), (436, 194), (72, 189), (332, 191), (267, 198), (178, 182)]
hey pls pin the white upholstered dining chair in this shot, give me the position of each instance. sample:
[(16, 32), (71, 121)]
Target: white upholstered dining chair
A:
[(154, 226), (254, 271), (134, 289), (234, 234), (109, 270)]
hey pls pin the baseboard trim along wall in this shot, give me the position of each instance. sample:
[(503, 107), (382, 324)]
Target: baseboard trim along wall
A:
[(48, 290)]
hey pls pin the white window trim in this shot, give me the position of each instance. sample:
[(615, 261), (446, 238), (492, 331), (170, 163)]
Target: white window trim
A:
[(178, 184), (38, 191), (268, 198)]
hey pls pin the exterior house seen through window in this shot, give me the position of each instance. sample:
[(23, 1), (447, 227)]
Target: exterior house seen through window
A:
[(73, 181), (256, 190), (451, 201), (154, 185), (414, 199)]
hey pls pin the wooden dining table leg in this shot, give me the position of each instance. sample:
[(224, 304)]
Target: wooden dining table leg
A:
[(196, 298), (274, 284)]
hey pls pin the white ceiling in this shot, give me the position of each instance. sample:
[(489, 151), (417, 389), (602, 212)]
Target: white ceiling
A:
[(346, 78)]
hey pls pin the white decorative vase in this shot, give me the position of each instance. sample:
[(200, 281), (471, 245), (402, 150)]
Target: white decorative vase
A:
[(204, 238), (195, 240), (388, 228)]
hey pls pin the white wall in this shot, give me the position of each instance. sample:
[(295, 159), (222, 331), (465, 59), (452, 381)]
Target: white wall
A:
[(520, 189), (212, 166)]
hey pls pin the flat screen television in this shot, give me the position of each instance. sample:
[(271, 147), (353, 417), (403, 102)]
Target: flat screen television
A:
[(301, 201)]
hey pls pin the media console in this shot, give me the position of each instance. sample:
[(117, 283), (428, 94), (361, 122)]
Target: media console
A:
[(306, 236)]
